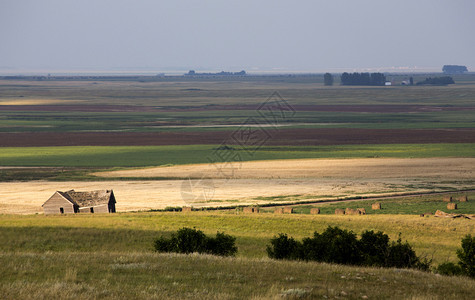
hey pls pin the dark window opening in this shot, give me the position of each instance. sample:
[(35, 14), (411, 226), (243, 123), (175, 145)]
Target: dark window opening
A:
[(61, 210), (92, 210)]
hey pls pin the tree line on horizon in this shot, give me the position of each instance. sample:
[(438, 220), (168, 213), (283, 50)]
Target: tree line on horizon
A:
[(355, 78)]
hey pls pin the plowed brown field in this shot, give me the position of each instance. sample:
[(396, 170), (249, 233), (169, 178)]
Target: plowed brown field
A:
[(302, 137)]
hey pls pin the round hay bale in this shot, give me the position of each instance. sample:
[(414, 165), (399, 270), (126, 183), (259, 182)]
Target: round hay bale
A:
[(451, 205), (375, 206), (362, 211), (278, 210), (463, 198), (440, 213), (351, 211), (186, 209), (447, 199), (288, 210), (315, 211), (339, 211), (247, 210)]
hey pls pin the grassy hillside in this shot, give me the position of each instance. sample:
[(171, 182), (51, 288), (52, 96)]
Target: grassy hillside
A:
[(111, 256), (126, 275), (136, 231)]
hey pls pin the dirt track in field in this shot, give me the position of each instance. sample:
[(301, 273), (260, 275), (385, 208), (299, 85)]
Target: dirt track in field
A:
[(296, 137)]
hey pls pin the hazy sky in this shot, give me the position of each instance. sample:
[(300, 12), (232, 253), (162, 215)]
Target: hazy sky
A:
[(233, 35)]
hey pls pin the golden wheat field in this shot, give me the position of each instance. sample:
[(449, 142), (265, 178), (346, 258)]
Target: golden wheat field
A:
[(255, 183), (357, 168)]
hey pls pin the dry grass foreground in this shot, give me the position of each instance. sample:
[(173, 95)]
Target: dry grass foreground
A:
[(303, 179)]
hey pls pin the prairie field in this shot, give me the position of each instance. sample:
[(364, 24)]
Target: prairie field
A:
[(166, 142), (111, 256)]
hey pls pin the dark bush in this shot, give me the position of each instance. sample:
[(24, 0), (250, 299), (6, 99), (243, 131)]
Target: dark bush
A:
[(336, 245), (313, 248), (283, 247), (449, 269), (187, 240), (374, 248), (401, 255), (341, 246), (466, 256), (222, 244), (163, 245)]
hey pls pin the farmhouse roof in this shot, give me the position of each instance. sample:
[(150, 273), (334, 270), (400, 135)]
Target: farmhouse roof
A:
[(86, 199)]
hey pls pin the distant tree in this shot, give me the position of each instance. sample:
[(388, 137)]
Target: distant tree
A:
[(411, 81), (437, 81), (363, 79), (328, 79), (378, 79), (345, 79), (454, 69)]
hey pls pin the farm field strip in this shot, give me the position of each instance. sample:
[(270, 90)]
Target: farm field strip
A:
[(143, 156), (27, 197), (351, 168), (146, 121), (176, 92)]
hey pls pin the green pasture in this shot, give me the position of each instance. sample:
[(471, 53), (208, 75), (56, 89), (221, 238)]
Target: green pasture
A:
[(142, 156), (212, 120), (410, 205)]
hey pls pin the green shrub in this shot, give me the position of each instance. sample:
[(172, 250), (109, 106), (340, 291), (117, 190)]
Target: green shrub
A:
[(449, 268), (401, 255), (340, 246), (187, 240), (163, 245), (223, 245), (466, 256), (283, 247), (374, 248)]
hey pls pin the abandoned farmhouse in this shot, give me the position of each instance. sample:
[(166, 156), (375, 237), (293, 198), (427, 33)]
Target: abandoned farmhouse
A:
[(70, 202)]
